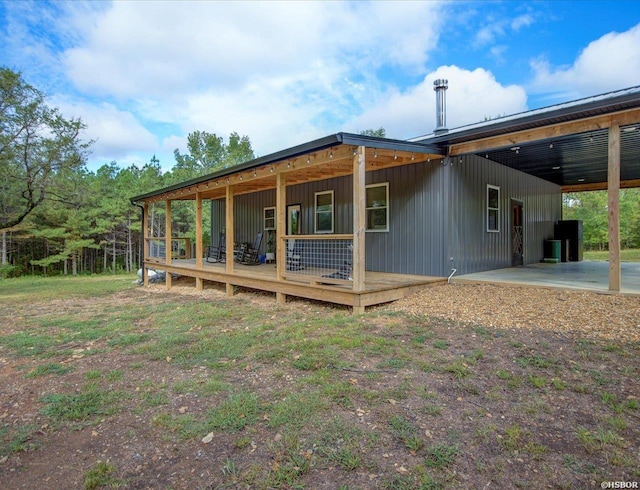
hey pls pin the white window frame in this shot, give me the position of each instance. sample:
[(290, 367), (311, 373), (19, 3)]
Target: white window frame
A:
[(315, 211), (386, 207), (267, 224), (495, 210)]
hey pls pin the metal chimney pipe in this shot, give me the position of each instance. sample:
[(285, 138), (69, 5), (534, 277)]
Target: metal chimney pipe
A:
[(440, 86)]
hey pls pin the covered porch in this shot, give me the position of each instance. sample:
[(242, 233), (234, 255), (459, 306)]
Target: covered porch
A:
[(379, 287), (335, 263)]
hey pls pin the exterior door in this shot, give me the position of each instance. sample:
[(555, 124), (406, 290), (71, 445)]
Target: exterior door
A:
[(517, 234), (293, 219)]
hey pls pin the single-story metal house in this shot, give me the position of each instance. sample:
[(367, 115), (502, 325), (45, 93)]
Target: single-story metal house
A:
[(361, 220)]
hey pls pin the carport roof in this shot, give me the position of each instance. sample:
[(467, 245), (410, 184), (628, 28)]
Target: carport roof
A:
[(566, 143)]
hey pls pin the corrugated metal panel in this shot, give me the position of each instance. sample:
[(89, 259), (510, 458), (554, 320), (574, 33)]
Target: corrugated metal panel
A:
[(248, 216), (304, 194), (414, 243), (472, 247), (436, 211), (217, 219)]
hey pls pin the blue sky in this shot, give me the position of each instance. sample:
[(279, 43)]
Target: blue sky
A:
[(142, 75)]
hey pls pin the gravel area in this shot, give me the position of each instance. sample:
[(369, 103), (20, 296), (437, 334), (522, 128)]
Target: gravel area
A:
[(611, 317)]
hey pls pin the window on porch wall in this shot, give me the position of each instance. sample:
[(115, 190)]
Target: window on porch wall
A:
[(270, 218), (324, 212), (378, 207)]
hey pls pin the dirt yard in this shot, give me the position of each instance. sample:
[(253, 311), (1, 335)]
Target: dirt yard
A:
[(457, 386)]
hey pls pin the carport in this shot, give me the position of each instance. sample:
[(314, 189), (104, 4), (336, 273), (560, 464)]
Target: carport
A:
[(585, 145)]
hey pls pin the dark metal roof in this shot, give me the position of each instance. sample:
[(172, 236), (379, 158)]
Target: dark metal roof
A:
[(309, 147), (569, 111), (575, 159)]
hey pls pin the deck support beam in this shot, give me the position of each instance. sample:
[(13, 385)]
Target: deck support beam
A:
[(229, 229), (167, 241), (613, 195), (199, 251), (359, 223), (145, 243), (281, 225)]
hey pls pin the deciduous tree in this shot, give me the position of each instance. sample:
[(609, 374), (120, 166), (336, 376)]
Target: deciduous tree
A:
[(36, 143)]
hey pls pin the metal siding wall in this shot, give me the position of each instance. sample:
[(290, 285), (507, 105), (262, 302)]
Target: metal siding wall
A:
[(304, 194), (217, 219), (248, 216), (415, 242), (473, 248), (248, 211)]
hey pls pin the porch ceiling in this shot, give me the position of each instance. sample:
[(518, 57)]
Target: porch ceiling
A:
[(334, 161), (576, 161)]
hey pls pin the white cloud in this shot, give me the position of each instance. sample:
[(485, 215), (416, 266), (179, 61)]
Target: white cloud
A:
[(472, 96), (280, 72), (498, 53), (137, 49), (524, 20), (170, 143), (273, 117), (499, 24), (488, 34), (116, 132), (609, 63)]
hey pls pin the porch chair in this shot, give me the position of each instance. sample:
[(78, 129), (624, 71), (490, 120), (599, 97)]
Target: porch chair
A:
[(250, 255), (219, 253)]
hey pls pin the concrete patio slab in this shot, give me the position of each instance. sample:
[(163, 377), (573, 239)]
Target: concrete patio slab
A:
[(586, 275)]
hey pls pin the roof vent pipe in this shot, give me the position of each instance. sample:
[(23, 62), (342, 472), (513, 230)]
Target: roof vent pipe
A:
[(440, 86)]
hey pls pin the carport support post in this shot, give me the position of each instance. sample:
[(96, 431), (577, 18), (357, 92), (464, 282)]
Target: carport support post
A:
[(199, 281), (167, 243), (613, 187)]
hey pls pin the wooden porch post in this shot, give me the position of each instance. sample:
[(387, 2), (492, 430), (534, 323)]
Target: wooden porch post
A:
[(199, 280), (281, 257), (613, 189), (167, 241), (229, 226), (145, 244), (359, 222)]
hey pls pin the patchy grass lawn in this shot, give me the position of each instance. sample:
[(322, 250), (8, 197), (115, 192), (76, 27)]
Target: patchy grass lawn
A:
[(104, 384)]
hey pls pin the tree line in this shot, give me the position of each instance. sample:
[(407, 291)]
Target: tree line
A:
[(57, 217)]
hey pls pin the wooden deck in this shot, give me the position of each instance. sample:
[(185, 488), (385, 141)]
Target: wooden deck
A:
[(380, 287)]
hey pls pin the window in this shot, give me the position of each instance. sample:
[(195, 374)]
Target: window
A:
[(493, 208), (378, 207), (324, 212), (269, 218)]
